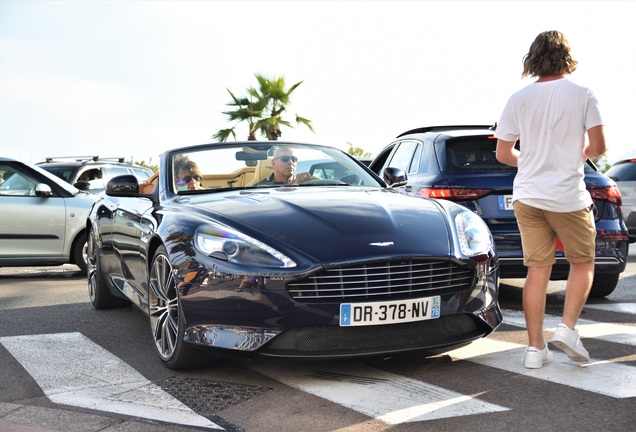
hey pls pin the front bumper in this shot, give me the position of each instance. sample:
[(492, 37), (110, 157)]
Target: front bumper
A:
[(262, 318)]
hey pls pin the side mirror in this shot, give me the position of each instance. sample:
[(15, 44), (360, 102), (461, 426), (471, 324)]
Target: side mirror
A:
[(122, 186), (82, 185), (43, 190), (395, 177)]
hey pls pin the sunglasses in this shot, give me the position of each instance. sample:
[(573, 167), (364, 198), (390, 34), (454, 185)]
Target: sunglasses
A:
[(188, 179), (287, 158)]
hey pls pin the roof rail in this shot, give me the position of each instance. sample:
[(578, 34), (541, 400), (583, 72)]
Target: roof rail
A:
[(84, 158), (446, 128), (77, 158), (118, 159)]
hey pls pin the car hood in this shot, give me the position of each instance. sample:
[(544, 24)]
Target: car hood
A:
[(342, 224)]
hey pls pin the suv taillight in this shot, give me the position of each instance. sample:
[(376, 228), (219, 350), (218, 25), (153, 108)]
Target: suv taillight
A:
[(453, 194), (610, 194)]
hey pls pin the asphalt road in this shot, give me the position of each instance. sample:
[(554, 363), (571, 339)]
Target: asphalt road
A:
[(62, 362)]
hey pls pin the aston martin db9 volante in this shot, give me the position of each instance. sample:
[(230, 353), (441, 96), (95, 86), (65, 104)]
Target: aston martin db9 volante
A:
[(232, 251)]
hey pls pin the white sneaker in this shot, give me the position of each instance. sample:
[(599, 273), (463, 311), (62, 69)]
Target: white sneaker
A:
[(568, 341), (534, 358)]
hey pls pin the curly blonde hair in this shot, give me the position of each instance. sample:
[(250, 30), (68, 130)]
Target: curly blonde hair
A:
[(549, 55)]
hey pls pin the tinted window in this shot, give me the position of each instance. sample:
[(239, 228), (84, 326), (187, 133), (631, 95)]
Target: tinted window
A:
[(65, 174), (117, 171), (473, 154), (406, 157), (16, 182), (623, 172), (141, 174)]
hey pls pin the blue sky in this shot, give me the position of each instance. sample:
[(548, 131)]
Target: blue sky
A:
[(133, 79)]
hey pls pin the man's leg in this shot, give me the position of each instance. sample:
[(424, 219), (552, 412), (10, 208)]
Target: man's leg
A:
[(534, 298), (576, 291), (565, 337)]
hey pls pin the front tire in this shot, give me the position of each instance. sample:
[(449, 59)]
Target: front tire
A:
[(167, 323), (98, 291), (80, 253), (604, 284)]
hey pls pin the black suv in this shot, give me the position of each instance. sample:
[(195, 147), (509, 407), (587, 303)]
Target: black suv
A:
[(91, 173), (458, 163)]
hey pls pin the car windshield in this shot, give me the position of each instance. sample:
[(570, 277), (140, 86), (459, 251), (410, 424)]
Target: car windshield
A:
[(226, 166), (55, 179)]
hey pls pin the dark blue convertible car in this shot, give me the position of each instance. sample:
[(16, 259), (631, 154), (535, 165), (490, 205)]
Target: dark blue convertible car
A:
[(224, 258)]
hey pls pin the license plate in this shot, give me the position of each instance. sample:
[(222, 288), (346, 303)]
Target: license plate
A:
[(389, 312), (505, 202)]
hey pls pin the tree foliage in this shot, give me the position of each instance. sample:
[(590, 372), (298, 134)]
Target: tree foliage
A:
[(601, 162), (357, 151), (154, 168), (262, 109)]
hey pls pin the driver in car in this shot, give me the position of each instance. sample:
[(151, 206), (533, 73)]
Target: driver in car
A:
[(284, 164)]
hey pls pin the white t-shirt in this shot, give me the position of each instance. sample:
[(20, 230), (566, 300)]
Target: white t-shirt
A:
[(550, 119)]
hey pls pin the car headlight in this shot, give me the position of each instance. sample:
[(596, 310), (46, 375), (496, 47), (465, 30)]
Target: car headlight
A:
[(235, 247), (473, 233)]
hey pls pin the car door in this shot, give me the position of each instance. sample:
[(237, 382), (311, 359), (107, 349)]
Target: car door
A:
[(129, 230), (30, 226)]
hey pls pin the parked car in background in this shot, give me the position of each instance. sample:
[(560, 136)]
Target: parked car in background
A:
[(335, 265), (458, 163), (623, 173), (365, 160), (42, 218), (91, 173)]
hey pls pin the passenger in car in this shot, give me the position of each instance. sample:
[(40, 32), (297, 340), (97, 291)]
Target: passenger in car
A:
[(189, 177)]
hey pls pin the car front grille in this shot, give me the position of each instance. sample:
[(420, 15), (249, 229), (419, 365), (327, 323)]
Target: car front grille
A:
[(382, 281)]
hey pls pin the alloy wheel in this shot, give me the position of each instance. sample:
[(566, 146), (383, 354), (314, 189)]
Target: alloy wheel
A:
[(91, 262), (163, 307)]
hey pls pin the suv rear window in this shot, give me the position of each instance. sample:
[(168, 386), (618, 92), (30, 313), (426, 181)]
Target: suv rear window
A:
[(623, 171), (474, 154)]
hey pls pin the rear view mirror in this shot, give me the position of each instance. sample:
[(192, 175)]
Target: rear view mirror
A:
[(250, 156)]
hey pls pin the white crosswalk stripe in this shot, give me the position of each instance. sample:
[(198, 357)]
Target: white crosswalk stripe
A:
[(603, 377), (382, 395), (73, 370), (629, 308), (618, 333)]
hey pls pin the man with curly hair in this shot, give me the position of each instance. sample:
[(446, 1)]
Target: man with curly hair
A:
[(550, 118)]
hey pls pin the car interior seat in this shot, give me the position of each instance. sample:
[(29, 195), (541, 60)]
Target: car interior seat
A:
[(148, 185), (264, 169)]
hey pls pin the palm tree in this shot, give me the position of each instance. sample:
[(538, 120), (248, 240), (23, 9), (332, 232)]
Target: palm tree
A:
[(273, 91), (247, 110), (262, 109)]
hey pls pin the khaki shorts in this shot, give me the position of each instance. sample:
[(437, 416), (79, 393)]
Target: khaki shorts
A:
[(540, 229)]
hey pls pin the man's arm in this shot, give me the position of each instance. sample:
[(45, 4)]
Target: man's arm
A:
[(596, 146), (507, 153)]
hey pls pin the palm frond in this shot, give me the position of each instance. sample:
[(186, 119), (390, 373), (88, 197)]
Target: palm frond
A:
[(224, 134), (306, 122)]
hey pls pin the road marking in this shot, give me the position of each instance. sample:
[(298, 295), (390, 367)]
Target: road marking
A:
[(391, 398), (73, 370), (603, 377), (622, 334), (629, 308)]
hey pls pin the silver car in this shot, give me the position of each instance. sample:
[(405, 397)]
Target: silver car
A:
[(623, 173), (42, 218)]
